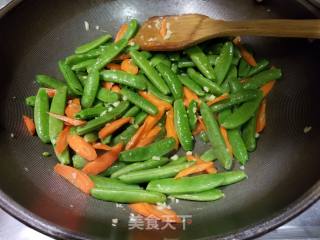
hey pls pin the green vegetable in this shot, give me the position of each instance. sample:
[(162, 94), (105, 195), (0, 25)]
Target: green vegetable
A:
[(77, 58), (223, 115), (112, 183), (82, 66), (126, 135), (192, 114), (159, 57), (154, 91), (174, 68), (90, 89), (209, 155), (49, 82), (261, 65), (30, 101), (223, 62), (191, 84), (91, 137), (249, 134), (121, 77), (132, 29), (78, 161), (46, 154), (132, 112), (244, 68), (93, 44), (210, 195), (262, 78), (41, 117), (204, 136), (107, 96), (90, 113), (115, 167), (238, 147), (233, 81), (140, 118), (72, 81), (177, 161)]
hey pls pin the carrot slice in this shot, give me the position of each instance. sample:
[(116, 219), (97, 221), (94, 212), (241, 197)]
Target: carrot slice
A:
[(142, 209), (104, 161), (73, 108), (226, 140), (170, 129), (71, 121), (266, 89), (189, 96), (81, 147), (196, 168), (122, 57), (200, 127), (115, 88), (128, 66), (211, 170), (149, 137), (74, 176), (113, 66), (110, 128), (152, 120), (155, 101), (101, 146), (218, 99), (247, 56), (163, 28), (62, 140), (198, 160), (122, 30), (136, 137), (107, 85), (29, 124), (50, 92), (261, 119)]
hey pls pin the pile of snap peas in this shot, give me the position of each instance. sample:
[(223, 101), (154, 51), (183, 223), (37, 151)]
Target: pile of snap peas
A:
[(146, 174)]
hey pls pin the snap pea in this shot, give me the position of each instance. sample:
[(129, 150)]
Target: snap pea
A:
[(210, 195), (261, 65), (131, 30), (215, 137), (225, 86), (177, 161), (238, 147), (157, 58), (139, 101), (195, 184), (93, 44), (174, 56), (112, 183), (72, 81), (77, 58), (90, 113), (146, 54), (236, 98), (132, 112), (30, 101), (97, 123), (82, 66), (107, 96), (181, 124), (150, 72), (204, 136), (121, 77), (140, 118), (244, 68), (262, 78), (154, 173), (215, 48), (171, 79), (115, 167), (140, 166), (204, 82), (223, 115), (154, 91), (209, 155), (249, 134), (90, 89), (49, 82), (110, 52), (201, 61), (41, 117), (185, 80), (127, 196), (243, 113), (106, 140), (82, 78), (174, 68), (223, 62), (157, 149), (126, 135), (185, 63), (233, 81), (91, 137), (236, 56), (78, 161), (192, 114)]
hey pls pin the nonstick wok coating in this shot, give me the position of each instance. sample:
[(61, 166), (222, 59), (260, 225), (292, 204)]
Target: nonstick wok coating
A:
[(283, 172)]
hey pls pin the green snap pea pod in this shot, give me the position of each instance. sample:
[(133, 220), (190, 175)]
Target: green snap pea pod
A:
[(140, 166), (139, 101), (174, 56), (157, 58), (126, 135), (177, 161), (171, 79), (140, 118), (215, 48), (82, 78), (115, 167), (97, 123), (236, 98), (156, 149), (192, 114), (262, 78), (127, 196), (72, 81), (210, 195), (201, 61), (106, 140), (243, 113), (204, 82), (146, 54), (82, 66), (233, 81), (195, 184), (112, 183), (30, 101), (90, 113), (107, 96), (154, 173), (209, 155), (150, 72), (90, 89), (236, 56), (261, 65), (108, 54), (154, 91), (225, 86), (204, 136), (41, 117), (132, 112), (91, 137), (185, 63), (93, 44), (77, 58), (132, 29), (181, 124), (49, 82), (215, 137), (174, 68), (238, 147), (78, 161), (124, 78), (185, 80), (249, 134), (223, 115), (223, 62), (244, 68)]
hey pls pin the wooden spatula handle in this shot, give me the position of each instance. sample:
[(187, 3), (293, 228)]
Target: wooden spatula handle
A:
[(272, 28)]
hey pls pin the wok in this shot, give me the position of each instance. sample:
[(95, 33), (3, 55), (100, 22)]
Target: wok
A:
[(283, 172)]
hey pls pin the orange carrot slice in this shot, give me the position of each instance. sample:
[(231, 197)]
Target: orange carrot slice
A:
[(218, 99), (200, 127), (107, 85), (71, 121), (74, 176), (62, 140), (224, 134), (104, 161), (170, 129), (155, 101), (149, 137), (122, 30), (73, 108), (50, 92), (152, 120), (261, 119), (128, 66), (247, 56), (136, 137), (110, 128), (115, 88), (81, 147), (28, 122), (142, 209), (196, 168), (163, 28), (189, 96), (122, 57), (198, 160), (113, 66), (101, 146), (266, 89)]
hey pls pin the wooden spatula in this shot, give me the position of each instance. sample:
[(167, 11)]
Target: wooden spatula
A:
[(178, 32)]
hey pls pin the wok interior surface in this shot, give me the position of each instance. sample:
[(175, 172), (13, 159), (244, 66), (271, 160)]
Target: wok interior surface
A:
[(285, 166)]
